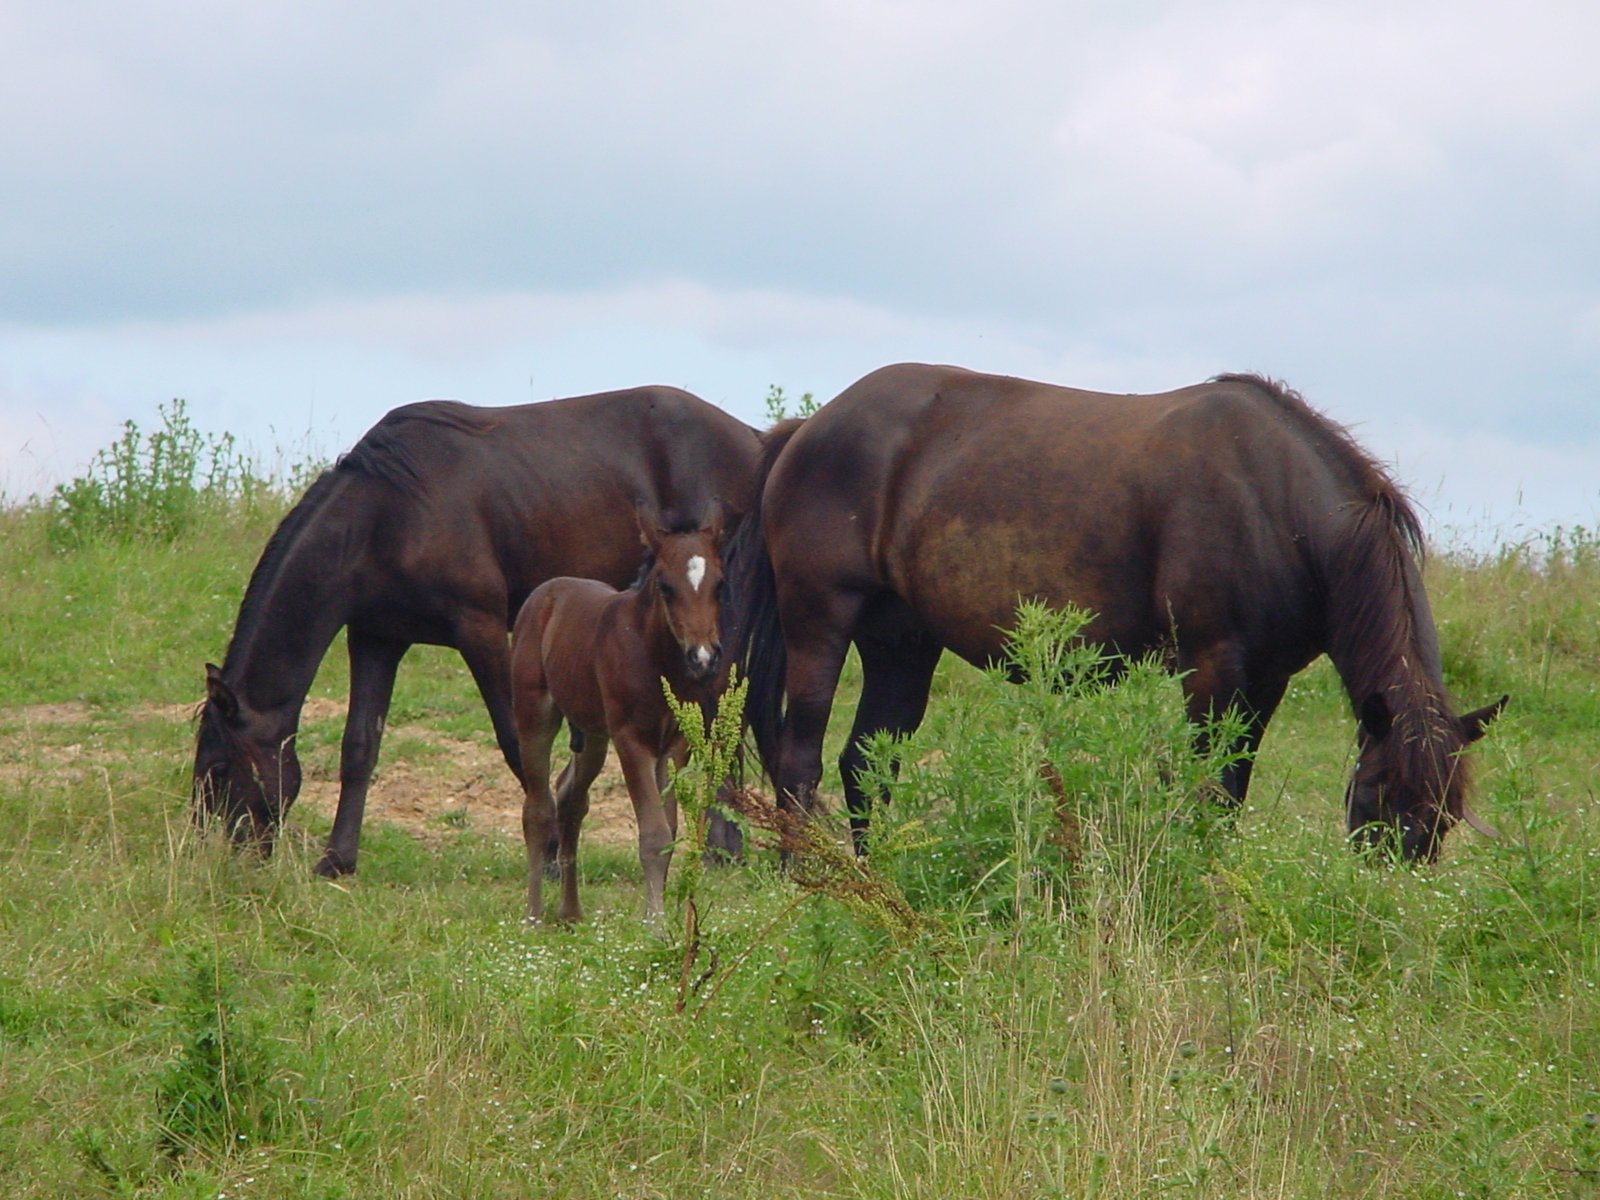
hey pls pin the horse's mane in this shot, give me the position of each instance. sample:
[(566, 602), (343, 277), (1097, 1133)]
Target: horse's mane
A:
[(391, 449), (1332, 440), (1381, 634), (272, 556)]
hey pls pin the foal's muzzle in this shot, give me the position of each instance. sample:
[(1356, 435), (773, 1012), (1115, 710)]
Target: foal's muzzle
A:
[(702, 661)]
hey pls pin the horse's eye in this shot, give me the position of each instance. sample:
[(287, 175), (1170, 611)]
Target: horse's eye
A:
[(667, 590)]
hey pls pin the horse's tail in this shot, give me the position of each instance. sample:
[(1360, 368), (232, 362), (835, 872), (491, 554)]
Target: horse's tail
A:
[(758, 638)]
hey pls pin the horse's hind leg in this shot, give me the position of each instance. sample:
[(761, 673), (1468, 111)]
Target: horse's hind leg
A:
[(817, 628), (572, 805), (481, 642), (895, 679), (373, 663)]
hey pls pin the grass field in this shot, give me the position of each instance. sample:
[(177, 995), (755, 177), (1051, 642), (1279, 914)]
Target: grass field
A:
[(1129, 1000)]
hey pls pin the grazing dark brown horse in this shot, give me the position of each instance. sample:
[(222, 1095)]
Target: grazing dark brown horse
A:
[(1227, 525), (583, 651), (434, 528)]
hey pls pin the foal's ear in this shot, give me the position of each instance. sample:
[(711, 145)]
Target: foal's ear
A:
[(711, 522), (650, 531), (1475, 722), (220, 694), (1376, 717)]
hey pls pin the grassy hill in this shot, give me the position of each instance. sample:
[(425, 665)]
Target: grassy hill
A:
[(1107, 992)]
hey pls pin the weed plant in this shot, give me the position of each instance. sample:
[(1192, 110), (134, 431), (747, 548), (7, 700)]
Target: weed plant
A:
[(153, 486), (1080, 785)]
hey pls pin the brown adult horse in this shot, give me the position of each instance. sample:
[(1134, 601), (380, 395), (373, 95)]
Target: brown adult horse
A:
[(1226, 525), (433, 529), (583, 651)]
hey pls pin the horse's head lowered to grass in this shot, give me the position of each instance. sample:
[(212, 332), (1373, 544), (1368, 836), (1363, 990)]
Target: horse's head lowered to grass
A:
[(1410, 783), (245, 774)]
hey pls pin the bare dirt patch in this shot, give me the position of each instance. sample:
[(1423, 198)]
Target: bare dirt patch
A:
[(457, 785)]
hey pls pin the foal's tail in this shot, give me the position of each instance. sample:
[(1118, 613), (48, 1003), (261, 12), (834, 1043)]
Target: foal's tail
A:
[(758, 645)]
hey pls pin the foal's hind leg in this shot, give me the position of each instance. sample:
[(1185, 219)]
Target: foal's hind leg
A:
[(572, 805), (538, 722)]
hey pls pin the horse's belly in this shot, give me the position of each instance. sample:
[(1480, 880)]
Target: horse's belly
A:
[(965, 581)]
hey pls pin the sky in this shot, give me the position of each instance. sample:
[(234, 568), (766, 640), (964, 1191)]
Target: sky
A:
[(297, 216)]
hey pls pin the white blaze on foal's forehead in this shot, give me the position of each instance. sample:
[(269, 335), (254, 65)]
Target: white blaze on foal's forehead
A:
[(696, 571)]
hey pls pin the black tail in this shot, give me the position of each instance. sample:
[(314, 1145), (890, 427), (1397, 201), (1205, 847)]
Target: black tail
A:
[(758, 638)]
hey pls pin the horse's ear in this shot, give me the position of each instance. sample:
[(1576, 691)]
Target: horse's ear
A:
[(1375, 716), (1475, 722), (220, 694)]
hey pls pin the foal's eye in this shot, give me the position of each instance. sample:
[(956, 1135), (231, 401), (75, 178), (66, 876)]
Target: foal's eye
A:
[(667, 590)]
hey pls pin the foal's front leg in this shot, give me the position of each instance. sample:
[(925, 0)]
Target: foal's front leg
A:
[(572, 805), (639, 766)]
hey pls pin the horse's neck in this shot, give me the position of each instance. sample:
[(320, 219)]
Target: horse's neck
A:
[(285, 627)]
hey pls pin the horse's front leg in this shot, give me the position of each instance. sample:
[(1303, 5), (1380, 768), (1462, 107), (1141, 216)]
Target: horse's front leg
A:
[(373, 663), (639, 766), (481, 640), (1214, 681)]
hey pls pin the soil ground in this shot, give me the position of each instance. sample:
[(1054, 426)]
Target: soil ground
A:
[(456, 784)]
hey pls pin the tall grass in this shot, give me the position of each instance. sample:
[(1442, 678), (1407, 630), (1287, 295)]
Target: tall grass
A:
[(1111, 991)]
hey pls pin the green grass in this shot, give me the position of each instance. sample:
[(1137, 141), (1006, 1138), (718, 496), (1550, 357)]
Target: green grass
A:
[(1244, 1011)]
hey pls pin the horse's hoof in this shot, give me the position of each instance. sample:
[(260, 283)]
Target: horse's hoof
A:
[(724, 842), (332, 866)]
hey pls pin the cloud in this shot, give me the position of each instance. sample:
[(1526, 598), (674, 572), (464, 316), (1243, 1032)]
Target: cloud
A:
[(296, 207)]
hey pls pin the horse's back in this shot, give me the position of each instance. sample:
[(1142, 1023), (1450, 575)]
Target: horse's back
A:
[(477, 506), (961, 493)]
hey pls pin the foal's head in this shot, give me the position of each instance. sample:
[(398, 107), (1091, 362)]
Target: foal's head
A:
[(683, 573)]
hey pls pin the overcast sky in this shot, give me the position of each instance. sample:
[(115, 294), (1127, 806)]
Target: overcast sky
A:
[(297, 216)]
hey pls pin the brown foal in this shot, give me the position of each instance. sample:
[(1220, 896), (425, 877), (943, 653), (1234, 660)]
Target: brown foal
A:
[(583, 651)]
